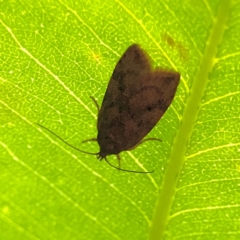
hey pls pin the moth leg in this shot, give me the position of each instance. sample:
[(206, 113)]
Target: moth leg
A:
[(96, 104), (144, 140), (147, 139), (119, 162), (88, 140)]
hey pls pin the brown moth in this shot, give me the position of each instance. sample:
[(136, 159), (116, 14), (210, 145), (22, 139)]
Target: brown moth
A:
[(135, 100)]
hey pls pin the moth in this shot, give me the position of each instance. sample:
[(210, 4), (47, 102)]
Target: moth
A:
[(136, 98)]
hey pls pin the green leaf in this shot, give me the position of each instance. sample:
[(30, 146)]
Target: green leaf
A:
[(54, 56)]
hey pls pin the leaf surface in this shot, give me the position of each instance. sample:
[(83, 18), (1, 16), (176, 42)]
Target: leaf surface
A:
[(54, 56)]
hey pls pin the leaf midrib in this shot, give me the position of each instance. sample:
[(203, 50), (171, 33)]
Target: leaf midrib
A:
[(190, 114)]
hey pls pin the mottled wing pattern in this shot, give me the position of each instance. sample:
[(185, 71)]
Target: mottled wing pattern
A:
[(124, 79), (149, 104), (135, 99)]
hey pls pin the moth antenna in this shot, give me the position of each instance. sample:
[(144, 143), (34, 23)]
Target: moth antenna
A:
[(125, 170), (65, 141)]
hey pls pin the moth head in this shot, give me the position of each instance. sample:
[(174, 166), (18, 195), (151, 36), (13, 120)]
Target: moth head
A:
[(101, 156), (104, 151), (107, 146)]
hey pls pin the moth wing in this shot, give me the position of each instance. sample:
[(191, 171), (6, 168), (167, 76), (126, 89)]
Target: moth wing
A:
[(133, 63), (148, 105)]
